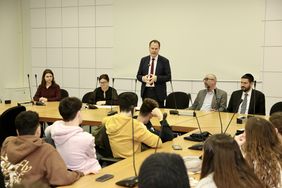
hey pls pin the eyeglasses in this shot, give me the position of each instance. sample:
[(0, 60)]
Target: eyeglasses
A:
[(206, 79), (103, 82)]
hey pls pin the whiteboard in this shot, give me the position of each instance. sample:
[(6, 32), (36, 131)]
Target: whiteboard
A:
[(224, 37)]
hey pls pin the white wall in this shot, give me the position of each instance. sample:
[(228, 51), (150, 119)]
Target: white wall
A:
[(272, 68), (75, 39), (219, 36), (14, 48)]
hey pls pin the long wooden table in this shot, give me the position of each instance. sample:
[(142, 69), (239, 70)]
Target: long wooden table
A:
[(209, 121), (93, 117), (124, 168)]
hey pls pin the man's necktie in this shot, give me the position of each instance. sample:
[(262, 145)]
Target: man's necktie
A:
[(244, 104), (152, 66)]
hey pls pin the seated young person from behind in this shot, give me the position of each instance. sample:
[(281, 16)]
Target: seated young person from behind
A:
[(262, 150), (76, 147), (276, 120), (149, 109), (163, 170), (26, 159), (224, 165), (119, 130)]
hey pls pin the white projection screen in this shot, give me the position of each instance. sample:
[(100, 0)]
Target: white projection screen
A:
[(224, 37)]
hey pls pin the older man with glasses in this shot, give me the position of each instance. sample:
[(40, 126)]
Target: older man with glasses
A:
[(210, 98)]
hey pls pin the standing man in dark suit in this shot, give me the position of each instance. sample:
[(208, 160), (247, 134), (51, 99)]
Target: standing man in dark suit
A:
[(154, 72), (253, 101)]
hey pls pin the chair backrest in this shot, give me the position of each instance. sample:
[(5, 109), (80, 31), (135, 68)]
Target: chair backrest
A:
[(87, 97), (180, 99), (64, 93), (102, 143), (7, 122), (135, 102), (277, 107)]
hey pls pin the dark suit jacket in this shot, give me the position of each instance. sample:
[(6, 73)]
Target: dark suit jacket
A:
[(162, 72), (257, 100)]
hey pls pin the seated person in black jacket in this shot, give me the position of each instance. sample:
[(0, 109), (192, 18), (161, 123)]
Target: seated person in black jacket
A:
[(104, 95), (253, 101), (149, 109)]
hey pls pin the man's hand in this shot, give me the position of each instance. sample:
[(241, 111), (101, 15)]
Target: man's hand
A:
[(152, 79), (145, 79), (156, 112)]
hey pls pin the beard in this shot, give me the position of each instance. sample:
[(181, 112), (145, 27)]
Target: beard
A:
[(245, 88)]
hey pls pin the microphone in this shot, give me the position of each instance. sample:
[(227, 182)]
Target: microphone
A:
[(197, 137), (254, 90), (38, 103), (97, 82), (133, 180), (175, 111), (36, 85), (218, 106), (135, 85), (161, 131), (112, 112), (29, 87), (241, 100)]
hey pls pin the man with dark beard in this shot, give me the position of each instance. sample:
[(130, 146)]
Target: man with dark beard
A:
[(253, 101)]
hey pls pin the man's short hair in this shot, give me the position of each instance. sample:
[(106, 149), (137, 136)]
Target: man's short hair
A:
[(104, 76), (127, 101), (249, 77), (27, 122), (69, 107), (148, 106), (155, 41), (276, 120), (163, 170)]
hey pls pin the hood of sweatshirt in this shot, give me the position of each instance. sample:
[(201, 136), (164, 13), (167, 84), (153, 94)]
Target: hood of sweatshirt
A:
[(116, 122), (61, 133), (17, 148)]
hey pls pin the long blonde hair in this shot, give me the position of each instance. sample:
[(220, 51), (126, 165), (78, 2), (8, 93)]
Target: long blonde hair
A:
[(263, 151)]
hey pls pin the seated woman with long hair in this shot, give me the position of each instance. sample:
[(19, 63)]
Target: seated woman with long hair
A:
[(224, 166), (48, 90), (262, 150)]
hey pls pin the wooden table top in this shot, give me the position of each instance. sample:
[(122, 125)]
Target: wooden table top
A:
[(209, 121), (123, 169)]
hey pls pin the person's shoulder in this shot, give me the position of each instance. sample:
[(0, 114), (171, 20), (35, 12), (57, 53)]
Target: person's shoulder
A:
[(222, 91), (47, 149), (207, 182), (202, 91), (162, 58), (87, 136), (111, 88), (8, 140), (97, 89), (259, 92), (236, 92), (55, 85), (145, 58)]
